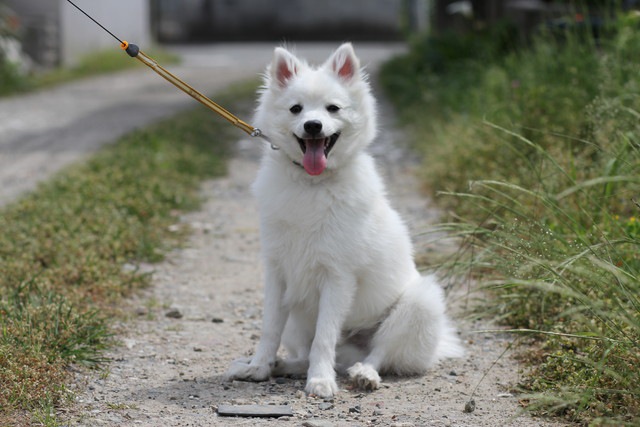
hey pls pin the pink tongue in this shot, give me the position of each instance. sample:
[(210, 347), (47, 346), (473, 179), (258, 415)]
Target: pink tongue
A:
[(314, 160)]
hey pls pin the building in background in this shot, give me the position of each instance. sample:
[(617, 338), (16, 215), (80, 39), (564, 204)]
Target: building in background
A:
[(37, 29), (280, 20), (54, 33)]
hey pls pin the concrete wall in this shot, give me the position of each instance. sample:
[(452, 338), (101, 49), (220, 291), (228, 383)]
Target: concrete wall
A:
[(127, 19), (56, 33)]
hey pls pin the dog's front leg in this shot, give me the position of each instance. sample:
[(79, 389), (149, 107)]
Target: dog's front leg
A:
[(274, 317), (335, 300)]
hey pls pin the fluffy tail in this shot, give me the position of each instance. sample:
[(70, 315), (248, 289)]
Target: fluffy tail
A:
[(417, 332), (449, 344)]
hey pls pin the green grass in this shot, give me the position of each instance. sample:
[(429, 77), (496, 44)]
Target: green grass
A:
[(535, 153), (63, 248), (92, 64), (11, 80)]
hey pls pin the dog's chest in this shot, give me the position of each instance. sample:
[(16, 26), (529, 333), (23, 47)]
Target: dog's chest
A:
[(314, 235), (312, 225)]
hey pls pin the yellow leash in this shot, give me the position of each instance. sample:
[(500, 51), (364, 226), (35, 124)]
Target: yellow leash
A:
[(135, 52)]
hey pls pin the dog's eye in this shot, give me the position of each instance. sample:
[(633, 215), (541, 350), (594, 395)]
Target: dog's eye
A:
[(333, 108), (296, 109)]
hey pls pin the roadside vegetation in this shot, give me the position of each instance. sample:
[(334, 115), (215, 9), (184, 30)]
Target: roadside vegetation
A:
[(69, 251), (534, 150), (101, 62)]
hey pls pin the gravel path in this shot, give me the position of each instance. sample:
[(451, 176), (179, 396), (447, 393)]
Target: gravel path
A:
[(204, 308), (168, 370)]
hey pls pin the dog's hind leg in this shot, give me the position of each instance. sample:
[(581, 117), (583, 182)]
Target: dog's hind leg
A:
[(412, 338), (294, 368)]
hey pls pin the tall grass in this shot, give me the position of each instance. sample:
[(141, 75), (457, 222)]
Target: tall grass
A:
[(536, 152), (68, 251)]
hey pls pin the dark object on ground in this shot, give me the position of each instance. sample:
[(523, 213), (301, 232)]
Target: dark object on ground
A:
[(264, 411)]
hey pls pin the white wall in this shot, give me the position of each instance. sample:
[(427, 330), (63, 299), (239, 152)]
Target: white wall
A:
[(127, 19)]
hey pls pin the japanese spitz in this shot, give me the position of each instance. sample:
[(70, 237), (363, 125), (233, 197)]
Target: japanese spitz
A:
[(342, 292)]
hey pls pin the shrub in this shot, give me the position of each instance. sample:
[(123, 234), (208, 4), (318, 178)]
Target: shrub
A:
[(536, 152)]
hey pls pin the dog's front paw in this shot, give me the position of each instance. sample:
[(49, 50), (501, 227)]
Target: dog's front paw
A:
[(321, 387), (243, 370), (364, 376)]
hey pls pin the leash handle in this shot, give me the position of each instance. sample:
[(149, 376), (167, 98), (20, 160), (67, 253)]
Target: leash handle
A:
[(135, 52)]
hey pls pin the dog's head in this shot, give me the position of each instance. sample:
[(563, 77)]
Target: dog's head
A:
[(318, 117)]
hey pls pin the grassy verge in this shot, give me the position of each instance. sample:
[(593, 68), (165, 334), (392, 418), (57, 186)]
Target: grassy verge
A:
[(64, 248), (101, 62), (536, 153)]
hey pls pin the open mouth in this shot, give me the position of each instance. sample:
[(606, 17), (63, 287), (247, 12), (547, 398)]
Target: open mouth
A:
[(326, 143), (316, 151)]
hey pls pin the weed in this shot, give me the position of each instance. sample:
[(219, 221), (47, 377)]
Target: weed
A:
[(45, 415), (11, 79), (537, 151), (104, 373), (63, 249)]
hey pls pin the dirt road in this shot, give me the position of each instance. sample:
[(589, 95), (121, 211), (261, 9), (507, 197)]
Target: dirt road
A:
[(204, 308), (169, 371)]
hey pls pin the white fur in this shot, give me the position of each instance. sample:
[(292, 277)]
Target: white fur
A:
[(338, 259)]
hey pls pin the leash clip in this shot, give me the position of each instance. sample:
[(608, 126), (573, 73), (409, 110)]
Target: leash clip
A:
[(256, 132)]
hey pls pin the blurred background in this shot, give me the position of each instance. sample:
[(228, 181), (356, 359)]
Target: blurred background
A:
[(44, 34)]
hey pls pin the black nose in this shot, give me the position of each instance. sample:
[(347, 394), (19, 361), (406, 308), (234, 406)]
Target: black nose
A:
[(313, 127)]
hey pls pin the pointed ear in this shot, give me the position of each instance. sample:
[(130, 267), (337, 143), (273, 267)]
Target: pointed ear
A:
[(284, 66), (344, 62)]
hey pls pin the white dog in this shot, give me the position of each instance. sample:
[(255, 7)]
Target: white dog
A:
[(342, 290)]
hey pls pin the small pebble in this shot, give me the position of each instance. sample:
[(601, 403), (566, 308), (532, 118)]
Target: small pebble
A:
[(142, 311), (174, 314), (470, 406), (325, 406)]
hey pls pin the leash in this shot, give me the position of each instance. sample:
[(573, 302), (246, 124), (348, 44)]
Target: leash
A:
[(135, 52)]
